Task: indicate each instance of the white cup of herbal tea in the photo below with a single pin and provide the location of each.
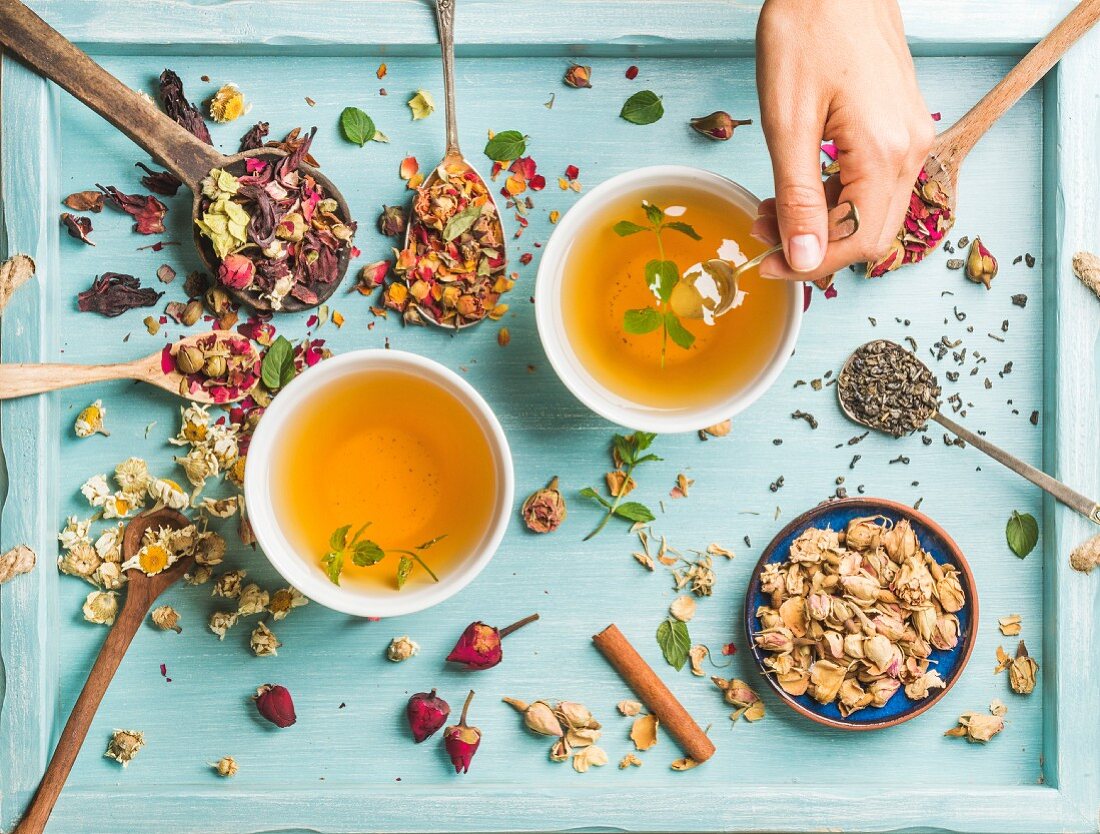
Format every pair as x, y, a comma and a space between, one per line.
605, 301
379, 483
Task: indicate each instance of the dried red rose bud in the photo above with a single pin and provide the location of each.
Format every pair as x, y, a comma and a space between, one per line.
426, 713
718, 125
461, 740
544, 509
392, 221
578, 76
236, 271
479, 646
981, 266
275, 704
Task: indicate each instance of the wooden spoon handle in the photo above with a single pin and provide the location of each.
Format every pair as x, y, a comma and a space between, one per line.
955, 143
36, 43
20, 380
80, 719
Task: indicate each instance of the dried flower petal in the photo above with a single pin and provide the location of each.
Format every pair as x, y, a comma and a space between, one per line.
643, 732
401, 648
124, 745
112, 294
166, 617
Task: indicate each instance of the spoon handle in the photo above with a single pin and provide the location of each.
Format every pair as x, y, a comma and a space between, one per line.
39, 45
445, 19
22, 379
1072, 499
84, 710
955, 143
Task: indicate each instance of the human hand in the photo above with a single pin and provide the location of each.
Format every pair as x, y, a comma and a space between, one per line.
843, 72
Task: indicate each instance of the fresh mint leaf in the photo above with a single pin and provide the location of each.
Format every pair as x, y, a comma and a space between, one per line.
339, 538
333, 564
624, 449
404, 568
277, 368
633, 511
675, 642
654, 213
366, 553
677, 332
686, 229
661, 277
461, 222
628, 227
588, 492
1022, 533
356, 126
643, 108
645, 320
642, 440
506, 146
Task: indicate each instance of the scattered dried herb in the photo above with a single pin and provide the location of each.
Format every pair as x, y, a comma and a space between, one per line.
578, 76
887, 387
179, 109
159, 182
223, 366
642, 108
1022, 533
461, 740
1086, 555
112, 294
1022, 669
977, 727
274, 703
627, 452
981, 266
719, 125
15, 562
364, 552
148, 212
254, 138
277, 368
544, 510
479, 646
421, 104
85, 201
228, 104
1086, 266
78, 227
426, 713
742, 698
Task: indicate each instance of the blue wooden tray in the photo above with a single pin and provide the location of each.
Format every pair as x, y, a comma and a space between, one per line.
347, 766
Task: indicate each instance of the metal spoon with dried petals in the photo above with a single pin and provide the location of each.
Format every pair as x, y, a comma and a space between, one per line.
887, 394
692, 299
142, 591
23, 379
453, 163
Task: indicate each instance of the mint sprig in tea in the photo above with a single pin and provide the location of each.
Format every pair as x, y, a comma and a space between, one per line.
639, 298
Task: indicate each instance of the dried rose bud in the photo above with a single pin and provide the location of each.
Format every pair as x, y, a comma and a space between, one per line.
479, 646
226, 766
718, 125
275, 704
1022, 671
538, 716
461, 740
981, 266
578, 76
426, 712
544, 509
392, 221
190, 359
236, 271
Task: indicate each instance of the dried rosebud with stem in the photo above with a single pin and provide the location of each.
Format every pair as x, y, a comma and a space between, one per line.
275, 704
479, 647
578, 76
544, 510
392, 221
426, 712
981, 266
719, 125
461, 740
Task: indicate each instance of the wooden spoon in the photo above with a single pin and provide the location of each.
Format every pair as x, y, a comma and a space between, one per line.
1070, 497
37, 44
22, 379
445, 19
141, 592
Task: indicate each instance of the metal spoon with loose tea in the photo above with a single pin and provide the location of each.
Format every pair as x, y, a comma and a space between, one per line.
142, 591
247, 237
887, 388
454, 257
217, 367
707, 298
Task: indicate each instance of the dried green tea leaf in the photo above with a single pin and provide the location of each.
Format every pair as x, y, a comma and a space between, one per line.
675, 642
1022, 533
506, 146
356, 126
422, 105
641, 321
643, 108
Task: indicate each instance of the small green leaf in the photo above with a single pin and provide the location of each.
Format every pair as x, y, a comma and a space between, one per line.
278, 368
588, 492
643, 440
356, 126
366, 553
685, 229
661, 277
404, 568
654, 213
1022, 533
628, 227
333, 564
645, 320
633, 511
506, 146
624, 448
461, 222
677, 332
339, 538
675, 642
643, 108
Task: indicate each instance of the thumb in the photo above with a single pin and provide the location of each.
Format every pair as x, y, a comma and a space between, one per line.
800, 205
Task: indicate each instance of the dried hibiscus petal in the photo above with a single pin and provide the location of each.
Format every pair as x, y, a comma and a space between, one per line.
148, 212
85, 201
78, 227
159, 182
254, 139
182, 111
113, 294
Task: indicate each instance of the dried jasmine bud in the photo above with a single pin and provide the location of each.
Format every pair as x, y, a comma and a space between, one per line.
166, 617
401, 648
426, 713
578, 76
275, 704
101, 607
539, 717
479, 647
283, 600
226, 766
124, 745
263, 641
544, 510
90, 421
981, 266
719, 125
221, 622
461, 740
392, 221
19, 560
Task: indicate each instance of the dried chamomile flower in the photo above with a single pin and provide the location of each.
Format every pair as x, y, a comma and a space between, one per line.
109, 576
200, 575
252, 600
226, 766
122, 504
401, 648
221, 622
697, 654
228, 584
153, 558
220, 507
977, 727
263, 641
1086, 555
167, 493
209, 548
643, 732
198, 464
132, 475
1011, 625
194, 424
1022, 669
629, 708
699, 577
96, 490
19, 560
109, 544
590, 756
166, 617
227, 104
629, 760
682, 608
75, 532
739, 695
101, 607
90, 420
283, 600
80, 560
124, 745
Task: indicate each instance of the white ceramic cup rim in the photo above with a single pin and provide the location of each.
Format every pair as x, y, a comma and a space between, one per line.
306, 576
551, 327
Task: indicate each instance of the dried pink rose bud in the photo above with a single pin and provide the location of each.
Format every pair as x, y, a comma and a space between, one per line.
544, 509
426, 713
981, 266
461, 740
275, 704
372, 275
236, 271
479, 646
578, 76
719, 125
392, 221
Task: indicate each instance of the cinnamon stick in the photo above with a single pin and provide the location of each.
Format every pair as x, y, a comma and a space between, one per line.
657, 697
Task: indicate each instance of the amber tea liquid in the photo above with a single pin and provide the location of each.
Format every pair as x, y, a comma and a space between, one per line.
393, 449
604, 277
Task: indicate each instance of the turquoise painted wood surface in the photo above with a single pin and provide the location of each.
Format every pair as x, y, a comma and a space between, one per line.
1029, 187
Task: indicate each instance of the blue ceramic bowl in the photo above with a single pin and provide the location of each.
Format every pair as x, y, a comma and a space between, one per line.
933, 539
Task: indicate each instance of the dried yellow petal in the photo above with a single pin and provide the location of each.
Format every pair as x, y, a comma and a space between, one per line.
629, 708
644, 732
682, 608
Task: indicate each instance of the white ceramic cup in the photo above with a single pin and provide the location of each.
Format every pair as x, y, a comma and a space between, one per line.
555, 338
303, 570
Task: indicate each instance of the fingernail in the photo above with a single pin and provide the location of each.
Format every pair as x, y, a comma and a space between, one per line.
804, 253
